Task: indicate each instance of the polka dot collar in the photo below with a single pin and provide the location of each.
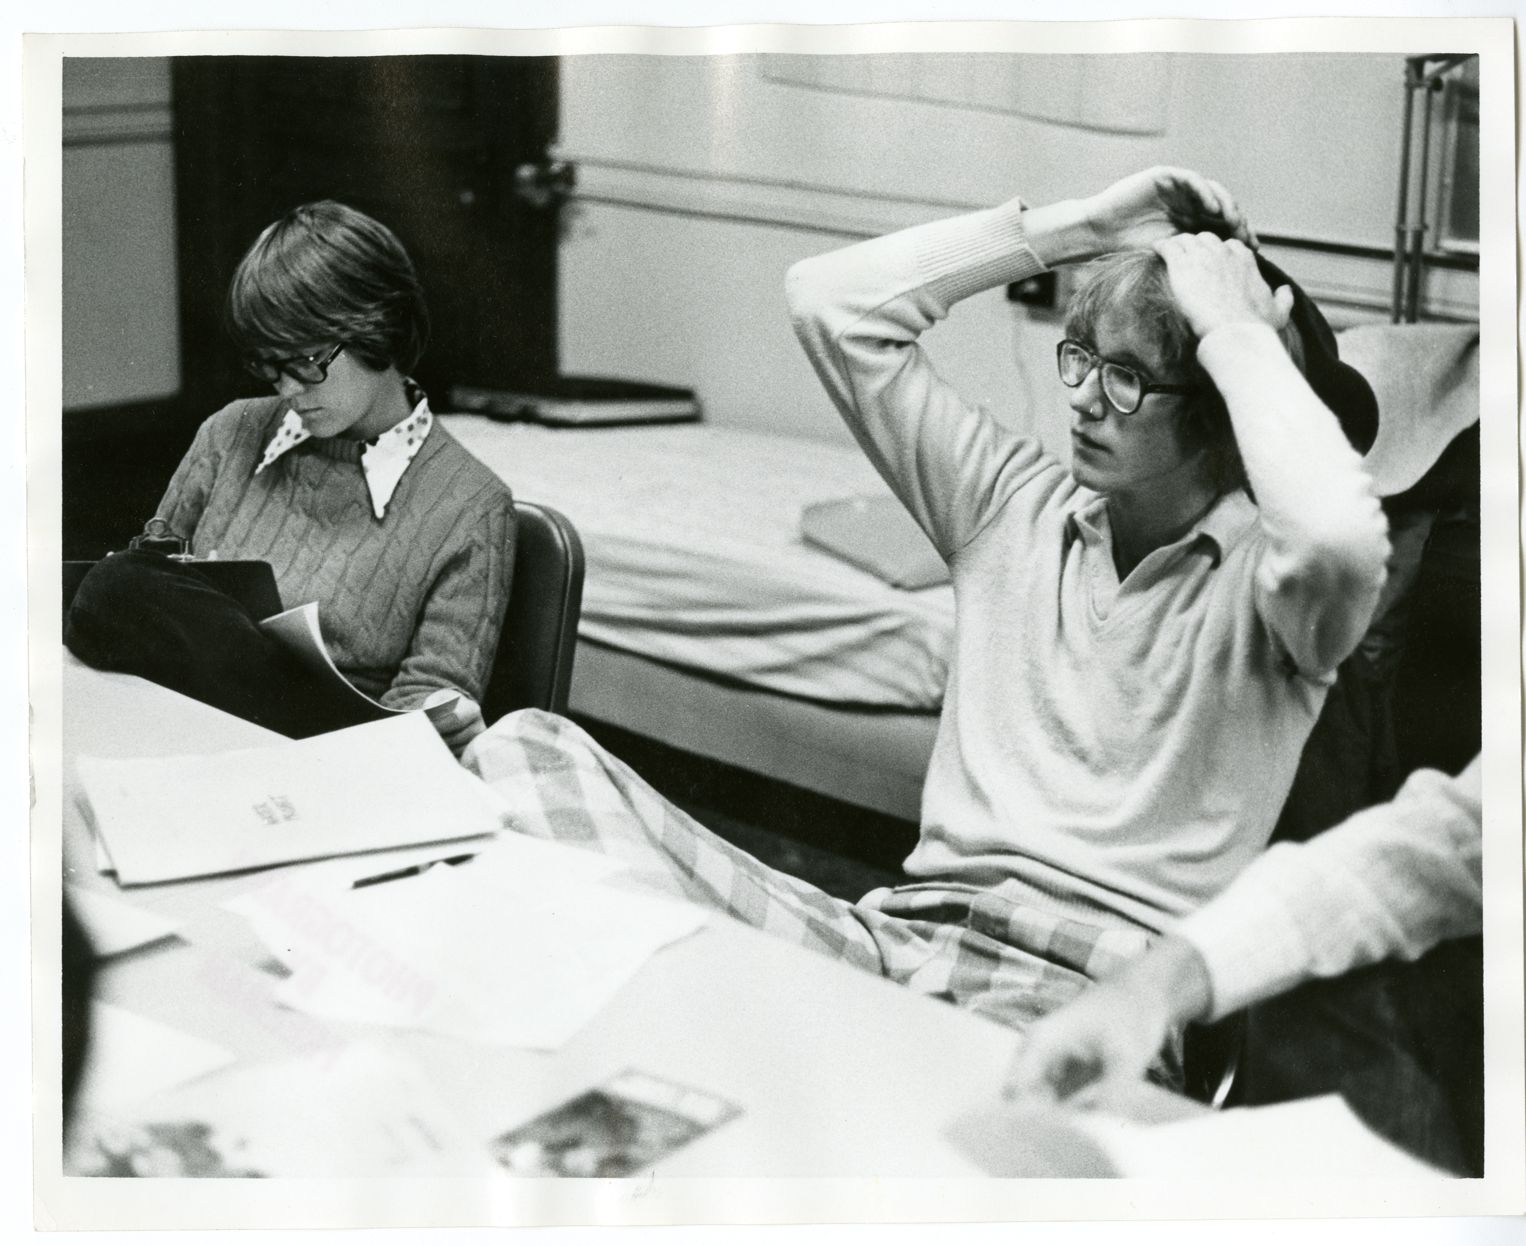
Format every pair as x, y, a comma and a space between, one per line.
383, 460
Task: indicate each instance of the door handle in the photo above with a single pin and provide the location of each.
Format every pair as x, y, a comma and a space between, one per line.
545, 184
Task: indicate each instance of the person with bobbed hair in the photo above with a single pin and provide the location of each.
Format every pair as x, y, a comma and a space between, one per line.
343, 481
1141, 648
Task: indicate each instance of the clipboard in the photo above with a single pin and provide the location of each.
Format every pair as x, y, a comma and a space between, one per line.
250, 582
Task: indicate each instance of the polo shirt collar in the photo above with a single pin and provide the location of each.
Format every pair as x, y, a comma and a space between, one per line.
383, 459
1222, 525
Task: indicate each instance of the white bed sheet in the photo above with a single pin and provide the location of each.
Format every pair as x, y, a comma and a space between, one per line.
694, 554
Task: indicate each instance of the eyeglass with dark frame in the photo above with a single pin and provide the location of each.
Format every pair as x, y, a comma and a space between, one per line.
1123, 387
304, 369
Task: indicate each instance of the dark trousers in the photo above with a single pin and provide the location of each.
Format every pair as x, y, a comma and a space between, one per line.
1401, 1043
142, 613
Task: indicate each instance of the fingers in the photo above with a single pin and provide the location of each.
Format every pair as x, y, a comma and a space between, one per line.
468, 730
1195, 201
1189, 198
1216, 282
1235, 220
1053, 1064
1025, 1076
1282, 297
1206, 246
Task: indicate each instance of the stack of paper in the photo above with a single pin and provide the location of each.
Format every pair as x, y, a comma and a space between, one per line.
520, 946
382, 785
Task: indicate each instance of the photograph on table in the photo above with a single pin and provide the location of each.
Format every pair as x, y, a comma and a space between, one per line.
618, 1130
884, 606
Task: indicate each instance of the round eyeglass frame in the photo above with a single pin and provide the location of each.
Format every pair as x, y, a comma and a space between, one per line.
1119, 381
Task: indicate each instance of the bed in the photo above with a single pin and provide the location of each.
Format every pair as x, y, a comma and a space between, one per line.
711, 625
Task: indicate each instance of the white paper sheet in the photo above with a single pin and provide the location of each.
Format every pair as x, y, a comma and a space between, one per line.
520, 947
114, 925
380, 785
299, 630
131, 1058
1318, 1139
356, 1111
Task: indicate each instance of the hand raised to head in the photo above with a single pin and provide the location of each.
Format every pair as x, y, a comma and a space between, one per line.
1138, 211
1217, 283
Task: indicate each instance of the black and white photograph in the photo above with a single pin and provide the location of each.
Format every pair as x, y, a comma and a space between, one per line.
881, 608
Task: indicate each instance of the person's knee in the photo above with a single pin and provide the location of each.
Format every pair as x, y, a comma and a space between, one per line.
534, 727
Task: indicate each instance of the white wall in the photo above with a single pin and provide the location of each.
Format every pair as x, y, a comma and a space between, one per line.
701, 179
652, 296
121, 337
1310, 141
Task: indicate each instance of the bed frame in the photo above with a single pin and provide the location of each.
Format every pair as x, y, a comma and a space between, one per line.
872, 757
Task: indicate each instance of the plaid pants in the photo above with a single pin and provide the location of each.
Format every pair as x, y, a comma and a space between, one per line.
984, 949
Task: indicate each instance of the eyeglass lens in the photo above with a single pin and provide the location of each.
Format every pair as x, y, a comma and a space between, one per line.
1120, 385
309, 370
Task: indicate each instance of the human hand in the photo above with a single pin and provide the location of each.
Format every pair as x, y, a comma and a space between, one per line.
1216, 283
1138, 211
455, 716
1108, 1035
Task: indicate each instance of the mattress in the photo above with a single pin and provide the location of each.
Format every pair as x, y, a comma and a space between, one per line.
695, 558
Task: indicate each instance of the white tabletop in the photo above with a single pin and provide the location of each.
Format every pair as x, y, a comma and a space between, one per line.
837, 1073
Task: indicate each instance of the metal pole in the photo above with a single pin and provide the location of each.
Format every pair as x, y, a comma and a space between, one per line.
1401, 230
1417, 236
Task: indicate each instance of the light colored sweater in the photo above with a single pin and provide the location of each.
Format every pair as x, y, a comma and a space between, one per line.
1390, 881
1119, 750
409, 603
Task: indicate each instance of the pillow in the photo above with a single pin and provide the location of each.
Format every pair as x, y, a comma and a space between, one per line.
877, 535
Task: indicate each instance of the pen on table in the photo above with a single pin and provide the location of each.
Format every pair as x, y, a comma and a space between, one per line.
411, 871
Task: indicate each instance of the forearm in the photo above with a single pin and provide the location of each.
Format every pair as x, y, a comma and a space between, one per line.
451, 650
461, 620
1391, 881
1172, 980
1326, 536
1063, 233
892, 289
859, 313
185, 497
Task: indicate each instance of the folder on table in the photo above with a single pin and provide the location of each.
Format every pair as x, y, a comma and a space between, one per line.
386, 784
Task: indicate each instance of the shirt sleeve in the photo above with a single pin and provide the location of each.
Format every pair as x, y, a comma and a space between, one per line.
1390, 881
461, 619
859, 312
1325, 543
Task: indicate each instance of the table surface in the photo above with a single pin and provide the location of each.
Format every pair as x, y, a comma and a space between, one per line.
837, 1073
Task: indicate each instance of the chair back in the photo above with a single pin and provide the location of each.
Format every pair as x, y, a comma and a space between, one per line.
533, 666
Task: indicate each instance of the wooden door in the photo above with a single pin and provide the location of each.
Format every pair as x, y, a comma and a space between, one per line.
427, 144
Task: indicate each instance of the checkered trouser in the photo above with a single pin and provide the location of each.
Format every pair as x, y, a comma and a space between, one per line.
985, 949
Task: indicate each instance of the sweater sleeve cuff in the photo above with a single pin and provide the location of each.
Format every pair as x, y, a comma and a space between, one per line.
1247, 941
977, 252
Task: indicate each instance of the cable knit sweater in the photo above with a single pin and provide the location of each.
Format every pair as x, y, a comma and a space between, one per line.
409, 603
